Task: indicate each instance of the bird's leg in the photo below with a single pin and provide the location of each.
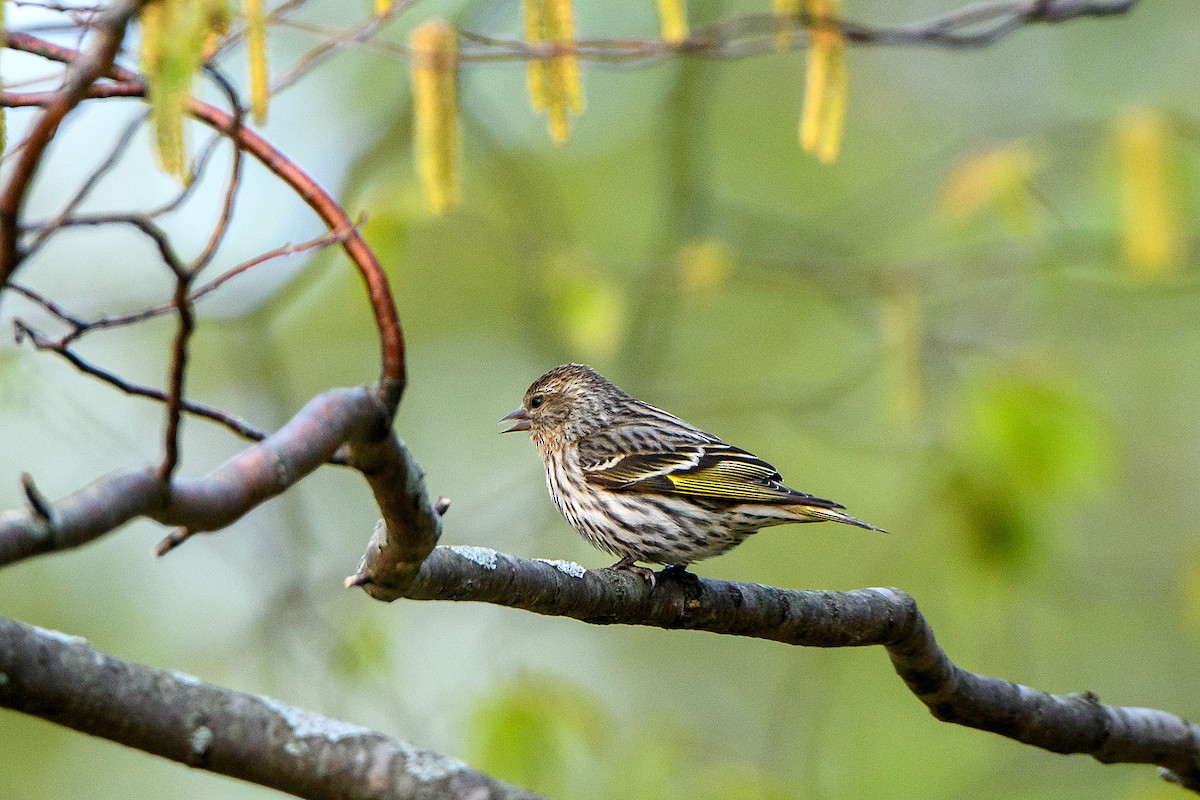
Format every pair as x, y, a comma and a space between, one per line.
627, 564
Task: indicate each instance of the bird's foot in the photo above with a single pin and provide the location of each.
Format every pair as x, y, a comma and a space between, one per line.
628, 564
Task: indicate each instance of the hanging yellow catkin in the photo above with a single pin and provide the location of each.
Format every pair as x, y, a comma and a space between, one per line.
837, 87
672, 18
434, 47
174, 36
166, 106
1150, 215
256, 41
383, 7
560, 26
555, 84
787, 12
826, 85
535, 32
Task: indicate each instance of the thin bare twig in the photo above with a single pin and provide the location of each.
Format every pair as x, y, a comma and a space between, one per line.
177, 374
82, 73
61, 348
235, 176
55, 308
119, 148
750, 35
182, 300
332, 44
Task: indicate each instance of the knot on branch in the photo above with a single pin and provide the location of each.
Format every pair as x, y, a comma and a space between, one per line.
398, 548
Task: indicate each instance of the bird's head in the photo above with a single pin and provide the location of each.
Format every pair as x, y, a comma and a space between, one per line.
566, 403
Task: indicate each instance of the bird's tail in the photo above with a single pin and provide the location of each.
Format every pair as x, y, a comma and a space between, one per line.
807, 513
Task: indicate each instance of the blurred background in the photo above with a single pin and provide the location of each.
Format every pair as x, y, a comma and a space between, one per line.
977, 329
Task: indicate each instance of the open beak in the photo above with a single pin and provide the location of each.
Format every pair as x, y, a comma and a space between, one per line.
520, 419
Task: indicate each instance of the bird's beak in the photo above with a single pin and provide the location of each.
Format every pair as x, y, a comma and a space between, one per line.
520, 419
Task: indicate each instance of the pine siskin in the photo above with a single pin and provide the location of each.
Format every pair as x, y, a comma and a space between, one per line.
645, 485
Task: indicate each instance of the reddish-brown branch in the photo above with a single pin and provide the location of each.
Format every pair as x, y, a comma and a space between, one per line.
378, 290
178, 374
83, 72
224, 219
129, 84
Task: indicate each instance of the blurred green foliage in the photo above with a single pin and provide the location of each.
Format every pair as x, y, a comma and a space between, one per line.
1018, 447
554, 738
542, 734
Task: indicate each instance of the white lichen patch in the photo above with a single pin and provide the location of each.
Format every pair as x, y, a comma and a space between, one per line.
185, 679
200, 739
59, 636
426, 766
565, 567
483, 556
306, 723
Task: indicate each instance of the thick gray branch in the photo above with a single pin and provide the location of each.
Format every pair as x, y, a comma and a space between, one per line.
358, 418
63, 679
1077, 723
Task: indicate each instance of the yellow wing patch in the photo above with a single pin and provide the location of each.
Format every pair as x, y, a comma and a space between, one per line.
730, 479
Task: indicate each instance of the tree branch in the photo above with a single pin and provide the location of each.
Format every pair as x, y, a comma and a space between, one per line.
62, 347
130, 84
1077, 723
748, 35
358, 417
82, 73
63, 679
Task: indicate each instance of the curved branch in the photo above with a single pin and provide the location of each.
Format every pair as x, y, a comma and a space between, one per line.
63, 679
330, 211
356, 417
83, 72
1077, 723
130, 84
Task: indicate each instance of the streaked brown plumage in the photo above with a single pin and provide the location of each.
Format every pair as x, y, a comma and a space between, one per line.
646, 486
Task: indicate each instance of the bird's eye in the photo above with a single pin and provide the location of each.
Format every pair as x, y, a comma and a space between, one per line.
536, 401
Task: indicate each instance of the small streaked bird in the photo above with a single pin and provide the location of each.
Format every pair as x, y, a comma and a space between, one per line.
646, 486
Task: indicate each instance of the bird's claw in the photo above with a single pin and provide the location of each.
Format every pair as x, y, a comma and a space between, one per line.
628, 565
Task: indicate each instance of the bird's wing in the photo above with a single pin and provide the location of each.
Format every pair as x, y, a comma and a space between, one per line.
709, 469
